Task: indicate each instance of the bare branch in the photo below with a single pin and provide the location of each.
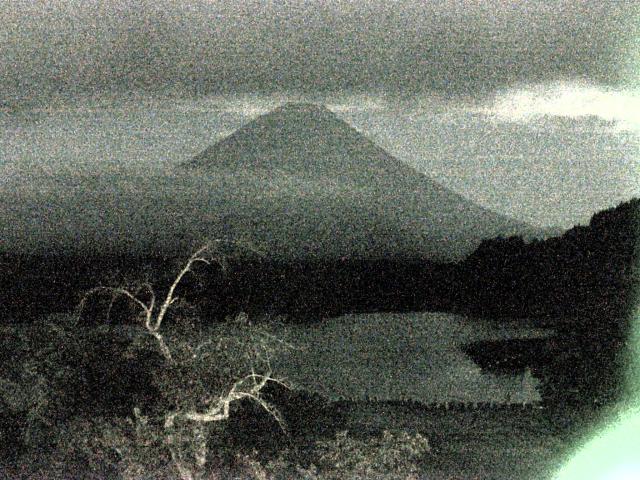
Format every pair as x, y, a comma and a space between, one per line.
221, 261
270, 409
166, 353
116, 291
220, 411
196, 257
280, 341
114, 296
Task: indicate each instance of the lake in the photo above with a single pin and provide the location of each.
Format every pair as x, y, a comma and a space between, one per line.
412, 356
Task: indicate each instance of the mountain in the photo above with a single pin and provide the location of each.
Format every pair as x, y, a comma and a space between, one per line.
326, 190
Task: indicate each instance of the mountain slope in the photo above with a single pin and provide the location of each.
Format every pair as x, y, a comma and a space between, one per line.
340, 194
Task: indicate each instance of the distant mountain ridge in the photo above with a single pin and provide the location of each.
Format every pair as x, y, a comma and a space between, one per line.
355, 198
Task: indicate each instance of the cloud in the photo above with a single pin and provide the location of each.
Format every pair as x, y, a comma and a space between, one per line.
573, 100
357, 103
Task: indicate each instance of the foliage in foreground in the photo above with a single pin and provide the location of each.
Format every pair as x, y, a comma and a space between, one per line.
201, 375
188, 378
131, 449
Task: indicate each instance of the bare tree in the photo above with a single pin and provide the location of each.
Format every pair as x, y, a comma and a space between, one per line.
153, 315
194, 416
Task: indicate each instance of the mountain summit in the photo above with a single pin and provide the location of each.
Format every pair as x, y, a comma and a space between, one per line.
336, 193
298, 138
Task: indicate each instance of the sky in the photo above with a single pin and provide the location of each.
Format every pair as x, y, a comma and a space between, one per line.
528, 108
457, 47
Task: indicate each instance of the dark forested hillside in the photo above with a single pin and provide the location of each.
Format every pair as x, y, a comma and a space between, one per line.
584, 284
588, 268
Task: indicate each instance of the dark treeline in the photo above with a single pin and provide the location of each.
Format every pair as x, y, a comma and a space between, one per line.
301, 291
312, 290
32, 285
583, 284
588, 268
